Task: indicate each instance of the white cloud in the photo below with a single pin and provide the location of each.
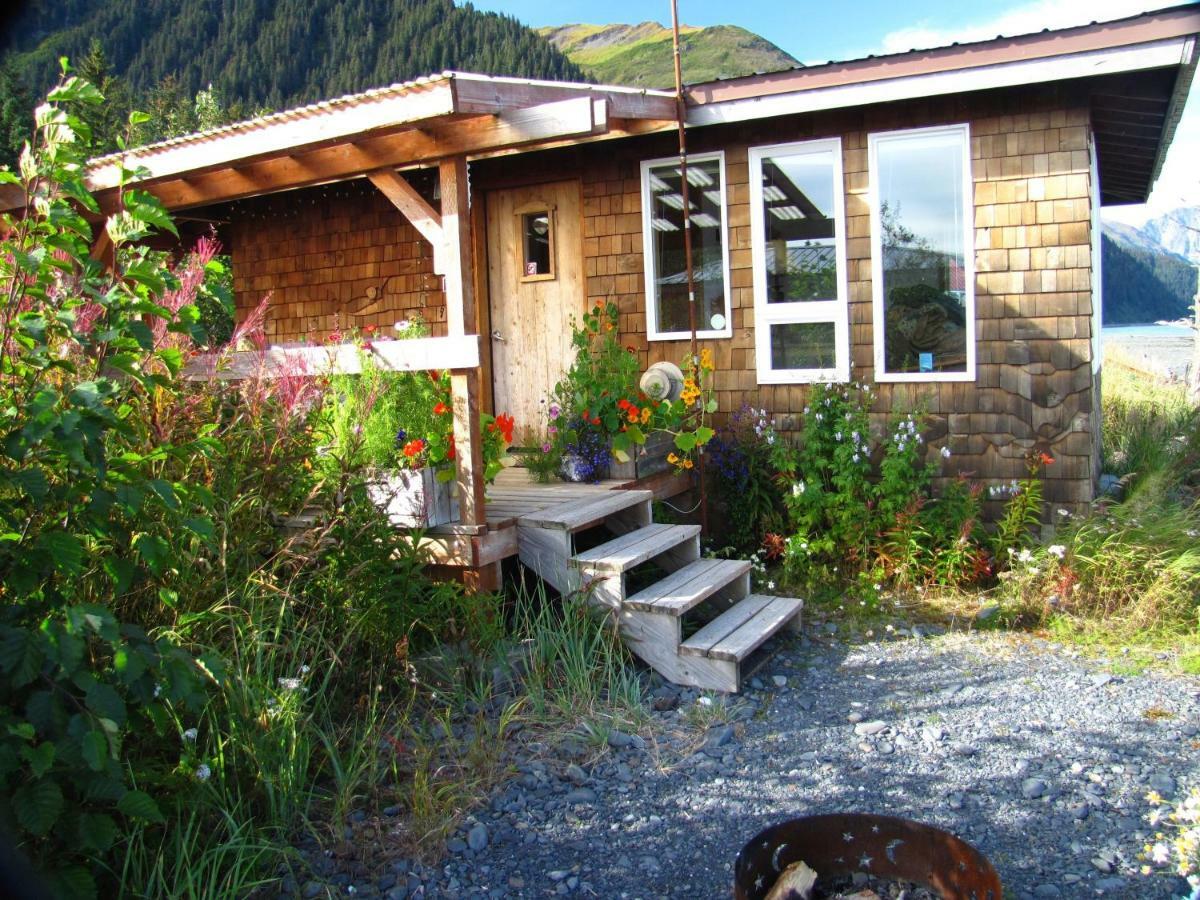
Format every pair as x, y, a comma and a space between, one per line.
1179, 183
1024, 19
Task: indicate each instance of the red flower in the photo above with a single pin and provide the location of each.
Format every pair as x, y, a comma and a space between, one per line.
370, 329
505, 423
1045, 459
623, 404
596, 420
450, 448
440, 409
414, 448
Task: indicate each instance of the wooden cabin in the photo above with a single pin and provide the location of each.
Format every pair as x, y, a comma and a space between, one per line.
924, 222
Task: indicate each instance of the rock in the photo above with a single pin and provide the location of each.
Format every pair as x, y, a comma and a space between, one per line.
756, 684
1047, 890
1080, 811
964, 749
393, 810
576, 775
581, 795
312, 889
1032, 788
885, 748
1162, 782
456, 845
870, 728
987, 612
1110, 884
1102, 864
1110, 485
718, 737
854, 718
780, 680
477, 837
619, 740
932, 734
665, 703
557, 875
1102, 679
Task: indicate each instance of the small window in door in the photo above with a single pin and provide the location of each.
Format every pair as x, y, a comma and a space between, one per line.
537, 245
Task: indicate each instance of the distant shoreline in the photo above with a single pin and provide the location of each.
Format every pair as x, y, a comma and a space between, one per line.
1162, 350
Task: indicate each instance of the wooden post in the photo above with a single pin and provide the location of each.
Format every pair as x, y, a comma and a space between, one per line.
460, 319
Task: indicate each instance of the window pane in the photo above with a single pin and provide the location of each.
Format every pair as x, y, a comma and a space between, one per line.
799, 227
536, 230
803, 345
708, 261
921, 215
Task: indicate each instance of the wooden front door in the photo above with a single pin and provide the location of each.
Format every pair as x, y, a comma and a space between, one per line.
535, 287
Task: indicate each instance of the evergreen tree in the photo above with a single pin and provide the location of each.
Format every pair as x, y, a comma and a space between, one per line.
107, 120
16, 114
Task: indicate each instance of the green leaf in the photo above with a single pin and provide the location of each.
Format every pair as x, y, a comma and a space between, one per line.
140, 805
65, 550
154, 552
105, 702
704, 435
38, 806
40, 758
75, 882
685, 441
710, 407
97, 831
95, 750
172, 358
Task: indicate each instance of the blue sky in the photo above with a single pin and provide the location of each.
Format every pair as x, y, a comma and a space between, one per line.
819, 31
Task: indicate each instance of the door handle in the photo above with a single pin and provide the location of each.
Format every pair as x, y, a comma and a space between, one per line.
497, 337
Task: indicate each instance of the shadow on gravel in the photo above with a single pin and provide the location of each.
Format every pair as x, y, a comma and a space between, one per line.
981, 745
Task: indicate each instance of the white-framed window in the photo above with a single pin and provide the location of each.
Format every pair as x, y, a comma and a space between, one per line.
798, 248
923, 254
662, 237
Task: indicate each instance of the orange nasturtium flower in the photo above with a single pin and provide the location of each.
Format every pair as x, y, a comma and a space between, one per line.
687, 463
645, 414
672, 459
706, 359
440, 409
1045, 459
414, 448
505, 423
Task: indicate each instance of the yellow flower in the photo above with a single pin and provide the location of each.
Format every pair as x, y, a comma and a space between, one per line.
645, 414
672, 458
687, 463
706, 359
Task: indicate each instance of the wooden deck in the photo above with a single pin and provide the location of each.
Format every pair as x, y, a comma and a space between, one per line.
515, 494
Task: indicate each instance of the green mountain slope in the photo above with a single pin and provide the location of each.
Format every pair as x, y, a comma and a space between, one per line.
1143, 283
275, 53
641, 55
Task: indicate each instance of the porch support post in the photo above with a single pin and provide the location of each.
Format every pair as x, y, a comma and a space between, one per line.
460, 319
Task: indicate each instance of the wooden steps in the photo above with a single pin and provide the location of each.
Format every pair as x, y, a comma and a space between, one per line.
652, 618
740, 630
694, 583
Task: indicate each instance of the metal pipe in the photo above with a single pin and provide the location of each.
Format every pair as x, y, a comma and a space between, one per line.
681, 120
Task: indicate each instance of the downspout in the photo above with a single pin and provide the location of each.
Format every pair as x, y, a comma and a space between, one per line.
681, 121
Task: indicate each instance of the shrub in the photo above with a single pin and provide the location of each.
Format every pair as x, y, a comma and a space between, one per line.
746, 484
86, 701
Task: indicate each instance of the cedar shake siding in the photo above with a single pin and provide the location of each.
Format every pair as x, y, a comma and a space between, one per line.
348, 258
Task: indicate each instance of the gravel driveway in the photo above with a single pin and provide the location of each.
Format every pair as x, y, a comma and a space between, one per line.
1037, 756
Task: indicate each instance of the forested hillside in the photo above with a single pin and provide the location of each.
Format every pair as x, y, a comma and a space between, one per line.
1141, 285
265, 53
642, 55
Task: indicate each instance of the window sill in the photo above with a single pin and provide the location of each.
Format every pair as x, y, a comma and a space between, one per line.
687, 335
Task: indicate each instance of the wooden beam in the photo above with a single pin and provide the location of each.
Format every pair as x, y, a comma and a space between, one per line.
460, 315
412, 205
563, 119
410, 355
473, 94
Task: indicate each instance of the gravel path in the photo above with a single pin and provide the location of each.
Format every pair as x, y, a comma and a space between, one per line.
1037, 756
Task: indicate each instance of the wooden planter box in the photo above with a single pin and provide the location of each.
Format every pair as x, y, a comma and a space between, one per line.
414, 498
649, 459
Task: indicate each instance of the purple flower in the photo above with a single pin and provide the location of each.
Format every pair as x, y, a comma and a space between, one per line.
546, 447
401, 437
555, 411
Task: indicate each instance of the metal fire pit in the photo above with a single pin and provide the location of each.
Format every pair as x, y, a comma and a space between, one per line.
882, 846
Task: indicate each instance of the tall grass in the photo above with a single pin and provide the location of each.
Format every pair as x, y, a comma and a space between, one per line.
1147, 423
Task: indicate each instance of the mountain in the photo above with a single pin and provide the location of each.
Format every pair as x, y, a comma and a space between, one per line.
641, 55
274, 53
1149, 272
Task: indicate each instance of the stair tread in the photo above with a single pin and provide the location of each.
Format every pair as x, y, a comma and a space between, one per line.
575, 515
685, 588
738, 631
634, 548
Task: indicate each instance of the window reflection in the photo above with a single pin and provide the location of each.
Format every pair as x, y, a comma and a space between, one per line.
921, 240
668, 265
535, 228
799, 226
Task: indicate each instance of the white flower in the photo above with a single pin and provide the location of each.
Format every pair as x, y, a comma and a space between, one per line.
158, 690
1160, 853
203, 772
889, 628
190, 735
1057, 550
854, 458
770, 585
879, 587
797, 488
1025, 556
1065, 513
290, 684
1192, 532
837, 435
770, 439
820, 417
704, 701
304, 670
945, 453
806, 410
